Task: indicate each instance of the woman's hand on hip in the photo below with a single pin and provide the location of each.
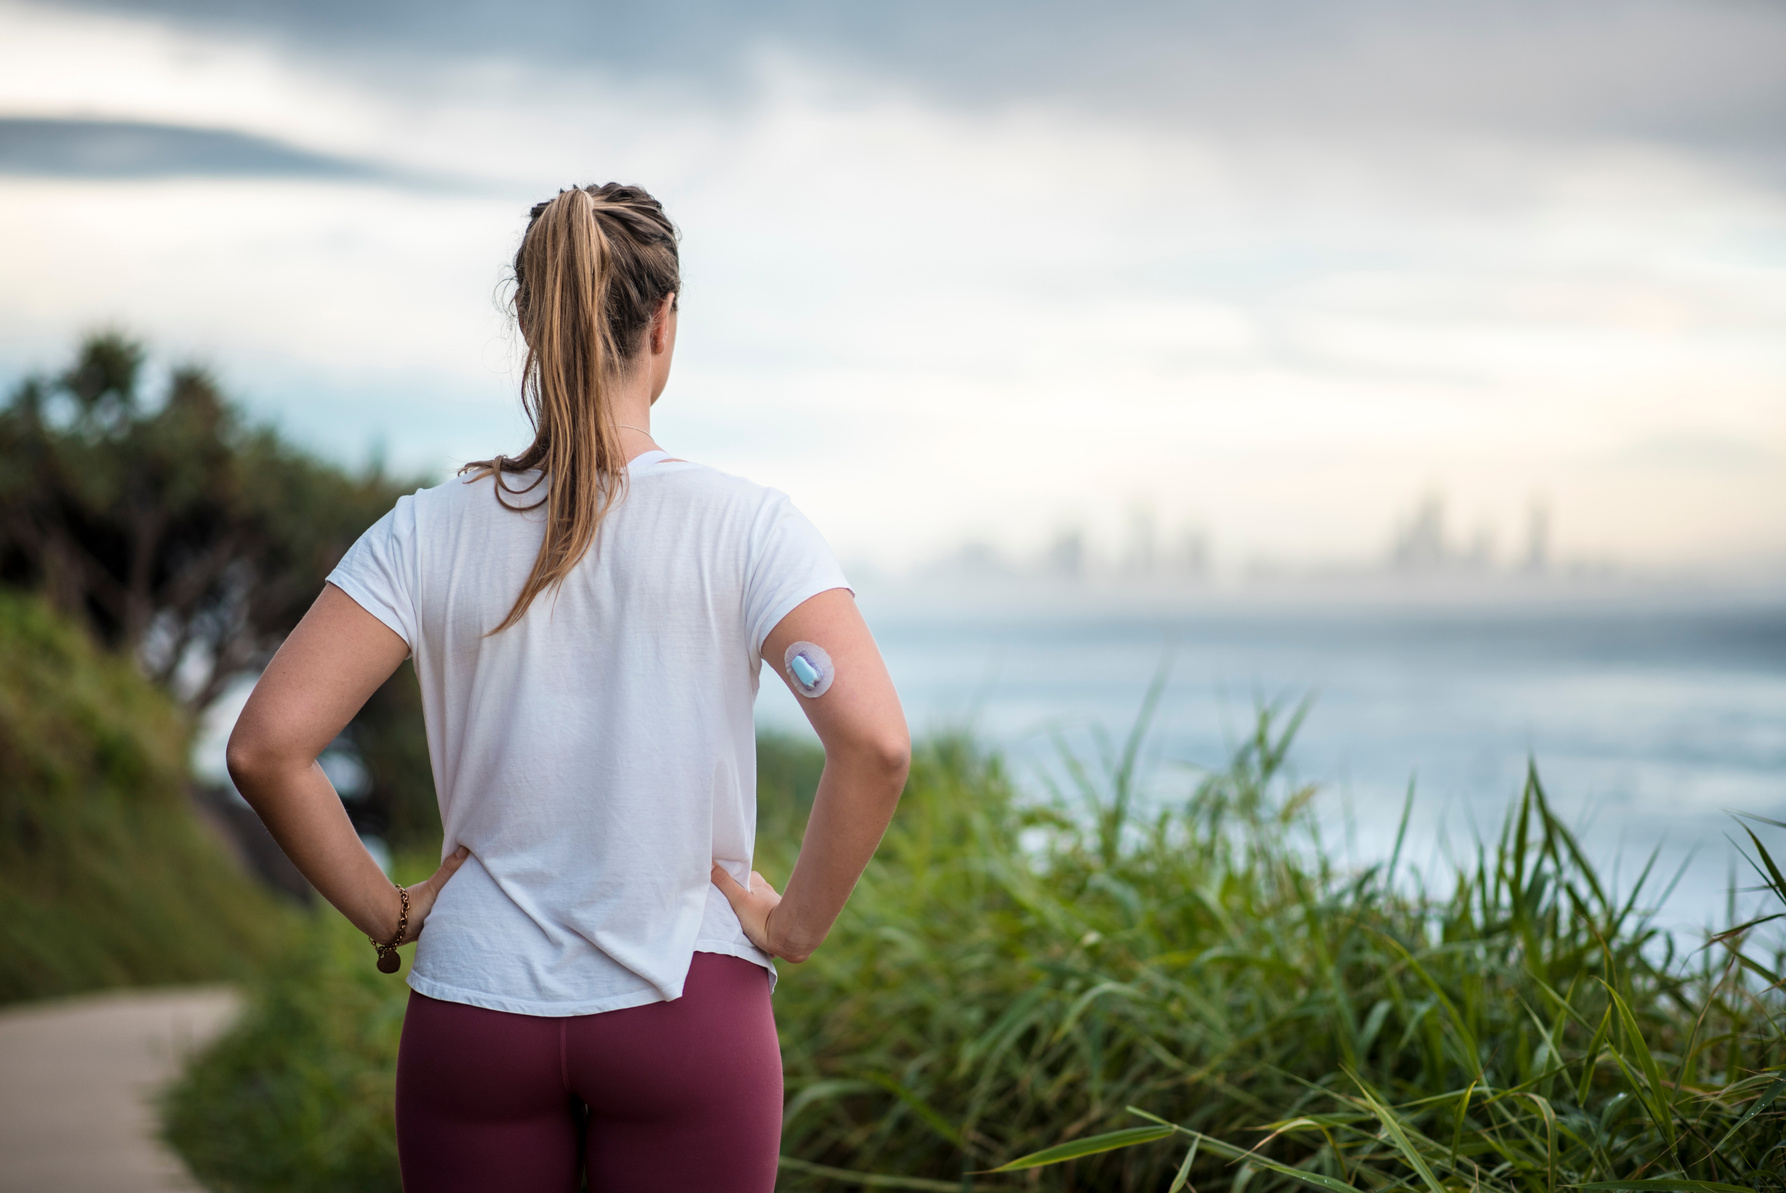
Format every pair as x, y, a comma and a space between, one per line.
755, 907
423, 894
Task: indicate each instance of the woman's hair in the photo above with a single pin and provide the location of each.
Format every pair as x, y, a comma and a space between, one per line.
592, 272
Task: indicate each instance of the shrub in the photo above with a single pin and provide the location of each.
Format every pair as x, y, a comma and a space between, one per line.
297, 1097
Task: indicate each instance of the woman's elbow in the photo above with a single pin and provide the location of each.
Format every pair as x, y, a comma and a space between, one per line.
891, 758
251, 757
876, 759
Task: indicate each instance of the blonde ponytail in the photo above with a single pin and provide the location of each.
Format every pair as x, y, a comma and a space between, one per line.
592, 272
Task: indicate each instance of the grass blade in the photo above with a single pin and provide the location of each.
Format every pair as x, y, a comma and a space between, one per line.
1397, 1135
1773, 876
1761, 1103
875, 1179
1107, 1142
1658, 1103
1230, 1152
1184, 1170
918, 1106
1663, 1185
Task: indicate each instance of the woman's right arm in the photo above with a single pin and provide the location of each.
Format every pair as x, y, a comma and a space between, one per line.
867, 755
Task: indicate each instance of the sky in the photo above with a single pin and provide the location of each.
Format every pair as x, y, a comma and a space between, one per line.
1269, 274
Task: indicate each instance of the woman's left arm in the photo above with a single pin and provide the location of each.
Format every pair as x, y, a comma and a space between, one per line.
323, 673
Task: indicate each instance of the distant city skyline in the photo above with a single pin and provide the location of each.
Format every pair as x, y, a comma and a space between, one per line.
1004, 276
1420, 543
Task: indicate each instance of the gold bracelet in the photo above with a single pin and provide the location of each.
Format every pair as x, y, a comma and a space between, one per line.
388, 961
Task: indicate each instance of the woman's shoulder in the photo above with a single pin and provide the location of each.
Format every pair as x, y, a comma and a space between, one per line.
473, 493
705, 482
460, 500
477, 487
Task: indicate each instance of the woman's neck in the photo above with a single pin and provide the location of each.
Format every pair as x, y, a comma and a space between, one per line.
629, 404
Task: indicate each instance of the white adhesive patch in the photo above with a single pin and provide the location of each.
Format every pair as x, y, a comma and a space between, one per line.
809, 669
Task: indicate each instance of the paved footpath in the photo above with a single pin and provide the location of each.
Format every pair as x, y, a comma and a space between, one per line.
77, 1078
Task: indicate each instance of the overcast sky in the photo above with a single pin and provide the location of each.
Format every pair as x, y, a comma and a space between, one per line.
977, 271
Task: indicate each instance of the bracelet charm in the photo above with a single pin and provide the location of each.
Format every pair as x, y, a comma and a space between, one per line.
388, 961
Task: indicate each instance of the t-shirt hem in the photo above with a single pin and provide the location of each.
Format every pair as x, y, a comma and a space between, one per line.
727, 948
565, 1010
538, 1009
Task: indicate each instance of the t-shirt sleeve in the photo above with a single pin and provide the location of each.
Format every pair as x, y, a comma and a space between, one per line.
379, 571
789, 562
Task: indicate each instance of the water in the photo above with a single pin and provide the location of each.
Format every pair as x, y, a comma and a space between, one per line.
1649, 724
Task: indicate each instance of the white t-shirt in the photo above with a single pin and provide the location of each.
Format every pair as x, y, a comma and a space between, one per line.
600, 755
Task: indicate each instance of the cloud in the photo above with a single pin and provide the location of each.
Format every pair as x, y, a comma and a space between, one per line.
125, 149
929, 313
1699, 450
1699, 74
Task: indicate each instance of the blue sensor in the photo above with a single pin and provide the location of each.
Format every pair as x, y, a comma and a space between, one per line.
809, 669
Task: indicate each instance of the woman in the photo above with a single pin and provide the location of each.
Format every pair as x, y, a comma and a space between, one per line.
587, 622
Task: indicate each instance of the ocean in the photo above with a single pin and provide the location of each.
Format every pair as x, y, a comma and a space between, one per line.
1651, 722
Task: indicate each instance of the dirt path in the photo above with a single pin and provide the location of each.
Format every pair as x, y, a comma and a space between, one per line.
76, 1079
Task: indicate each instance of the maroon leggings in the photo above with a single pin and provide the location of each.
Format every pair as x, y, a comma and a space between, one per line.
670, 1097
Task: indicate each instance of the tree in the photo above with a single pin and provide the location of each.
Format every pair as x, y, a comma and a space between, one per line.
175, 533
183, 536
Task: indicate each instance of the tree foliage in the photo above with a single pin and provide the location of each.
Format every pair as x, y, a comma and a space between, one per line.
184, 536
174, 531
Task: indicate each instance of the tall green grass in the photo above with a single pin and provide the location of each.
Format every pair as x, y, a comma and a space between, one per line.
1097, 996
1012, 978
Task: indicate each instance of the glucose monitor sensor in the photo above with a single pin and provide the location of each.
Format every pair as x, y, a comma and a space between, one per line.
809, 667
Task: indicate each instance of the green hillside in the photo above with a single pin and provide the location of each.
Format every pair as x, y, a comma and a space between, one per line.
106, 876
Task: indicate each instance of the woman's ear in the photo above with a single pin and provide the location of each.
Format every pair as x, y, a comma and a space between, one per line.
663, 332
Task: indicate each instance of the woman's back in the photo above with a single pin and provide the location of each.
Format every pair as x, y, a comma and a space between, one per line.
598, 755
